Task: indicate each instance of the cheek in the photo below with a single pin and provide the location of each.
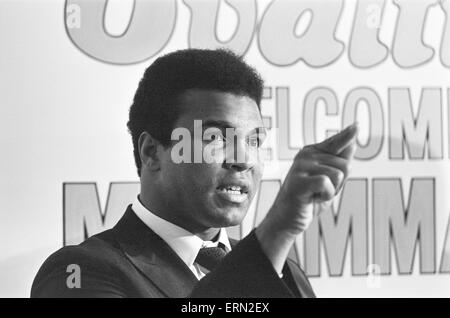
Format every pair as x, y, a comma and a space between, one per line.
256, 178
258, 171
213, 154
198, 178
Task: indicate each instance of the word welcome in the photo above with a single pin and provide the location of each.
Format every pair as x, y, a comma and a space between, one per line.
407, 134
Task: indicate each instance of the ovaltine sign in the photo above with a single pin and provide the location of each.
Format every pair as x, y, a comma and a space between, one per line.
386, 212
153, 23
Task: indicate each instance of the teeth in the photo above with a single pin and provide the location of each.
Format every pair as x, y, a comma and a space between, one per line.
232, 190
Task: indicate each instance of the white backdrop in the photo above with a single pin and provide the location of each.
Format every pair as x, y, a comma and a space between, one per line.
66, 87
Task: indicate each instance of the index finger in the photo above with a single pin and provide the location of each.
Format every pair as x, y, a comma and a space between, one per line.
348, 152
337, 143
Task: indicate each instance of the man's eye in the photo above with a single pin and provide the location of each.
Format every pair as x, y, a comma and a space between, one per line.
216, 137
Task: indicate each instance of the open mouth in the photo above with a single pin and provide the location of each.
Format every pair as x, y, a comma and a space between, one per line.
234, 189
234, 193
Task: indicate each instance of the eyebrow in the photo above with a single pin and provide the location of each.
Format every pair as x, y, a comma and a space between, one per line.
217, 123
223, 124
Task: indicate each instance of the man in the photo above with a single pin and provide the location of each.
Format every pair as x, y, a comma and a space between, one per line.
171, 241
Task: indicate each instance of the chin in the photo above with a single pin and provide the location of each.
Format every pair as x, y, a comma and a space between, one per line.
229, 217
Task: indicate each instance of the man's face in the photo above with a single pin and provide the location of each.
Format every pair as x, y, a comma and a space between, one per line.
218, 194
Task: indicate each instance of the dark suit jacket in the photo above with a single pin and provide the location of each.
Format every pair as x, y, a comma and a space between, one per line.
130, 260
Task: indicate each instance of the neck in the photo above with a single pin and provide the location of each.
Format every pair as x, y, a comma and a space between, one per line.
205, 233
211, 234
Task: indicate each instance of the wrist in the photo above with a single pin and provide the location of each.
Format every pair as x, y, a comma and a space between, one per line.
273, 232
289, 220
275, 245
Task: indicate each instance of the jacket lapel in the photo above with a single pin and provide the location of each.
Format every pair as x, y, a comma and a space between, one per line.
153, 257
233, 242
294, 271
301, 280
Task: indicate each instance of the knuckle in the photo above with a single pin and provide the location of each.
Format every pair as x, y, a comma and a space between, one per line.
301, 164
328, 196
322, 180
346, 169
305, 151
340, 176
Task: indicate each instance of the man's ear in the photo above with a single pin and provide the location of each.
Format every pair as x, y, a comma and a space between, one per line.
148, 151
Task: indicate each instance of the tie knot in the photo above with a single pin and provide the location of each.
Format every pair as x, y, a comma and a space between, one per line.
210, 257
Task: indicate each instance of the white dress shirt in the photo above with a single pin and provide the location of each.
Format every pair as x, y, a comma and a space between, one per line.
185, 244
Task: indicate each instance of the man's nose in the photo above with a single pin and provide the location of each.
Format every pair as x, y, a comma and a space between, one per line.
238, 166
239, 157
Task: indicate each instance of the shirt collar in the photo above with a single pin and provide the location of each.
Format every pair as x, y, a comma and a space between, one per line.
185, 244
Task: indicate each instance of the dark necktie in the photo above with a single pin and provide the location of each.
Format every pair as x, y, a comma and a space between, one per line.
210, 257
